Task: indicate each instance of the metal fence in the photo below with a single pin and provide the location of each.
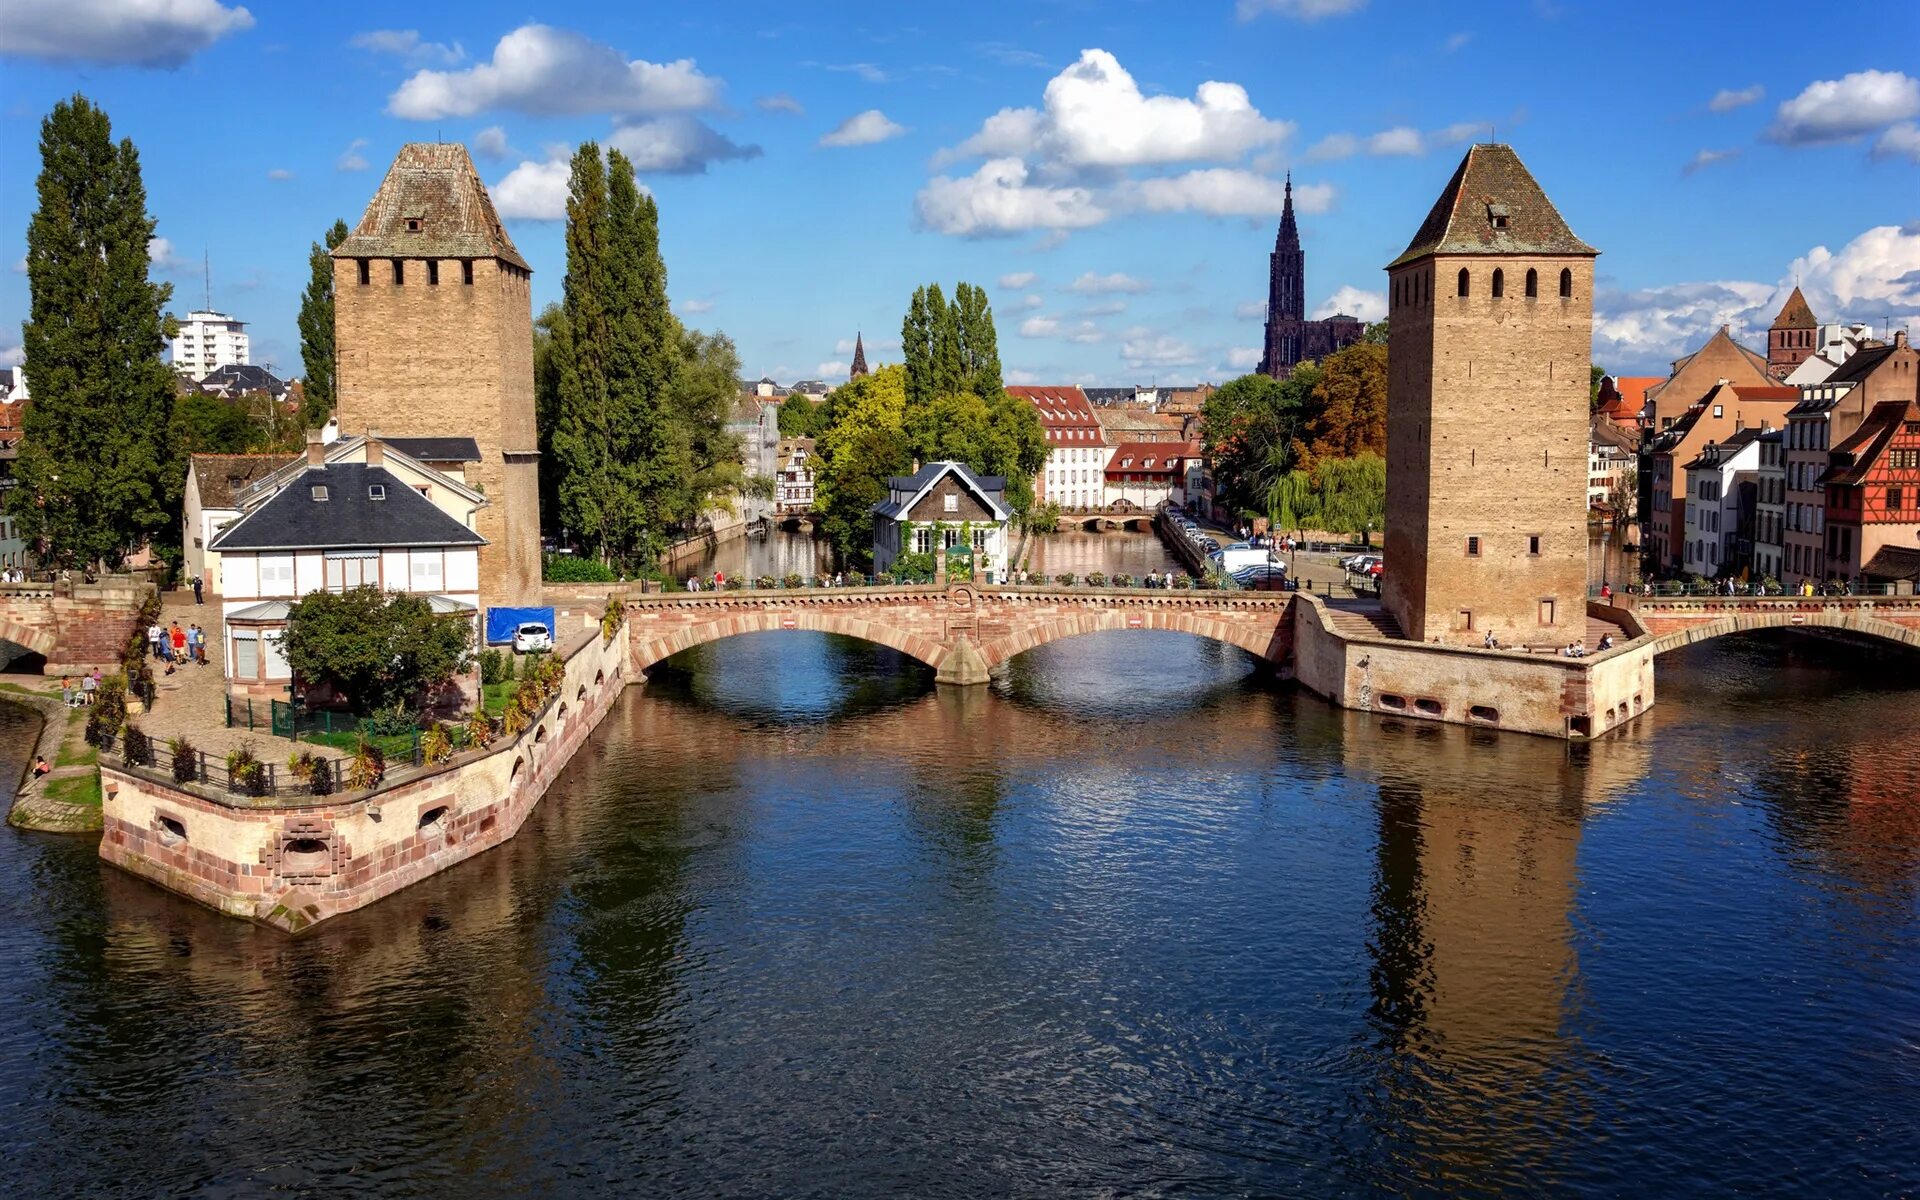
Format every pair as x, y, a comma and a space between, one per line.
264, 779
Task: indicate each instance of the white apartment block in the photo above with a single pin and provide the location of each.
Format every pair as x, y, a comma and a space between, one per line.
208, 341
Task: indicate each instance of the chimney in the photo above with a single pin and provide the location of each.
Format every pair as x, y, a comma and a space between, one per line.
376, 449
1899, 339
316, 450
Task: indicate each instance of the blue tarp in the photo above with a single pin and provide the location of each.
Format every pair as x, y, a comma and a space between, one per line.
501, 622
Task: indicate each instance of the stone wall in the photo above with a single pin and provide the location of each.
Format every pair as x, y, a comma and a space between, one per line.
290, 864
74, 626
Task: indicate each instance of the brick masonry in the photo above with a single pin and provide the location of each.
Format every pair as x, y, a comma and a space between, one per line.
74, 627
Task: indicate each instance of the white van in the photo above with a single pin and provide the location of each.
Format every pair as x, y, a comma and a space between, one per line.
1233, 558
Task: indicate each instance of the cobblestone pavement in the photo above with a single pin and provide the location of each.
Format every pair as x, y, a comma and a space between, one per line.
192, 701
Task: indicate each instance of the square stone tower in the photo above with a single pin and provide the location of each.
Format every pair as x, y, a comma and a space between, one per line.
433, 333
1491, 313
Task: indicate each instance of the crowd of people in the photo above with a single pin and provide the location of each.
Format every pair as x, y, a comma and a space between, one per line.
176, 646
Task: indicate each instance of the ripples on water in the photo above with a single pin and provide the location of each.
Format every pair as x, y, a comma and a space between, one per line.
1131, 921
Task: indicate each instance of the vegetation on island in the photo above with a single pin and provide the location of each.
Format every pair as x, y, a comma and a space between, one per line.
379, 651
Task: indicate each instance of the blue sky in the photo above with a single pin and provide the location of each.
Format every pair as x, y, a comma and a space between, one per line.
1108, 170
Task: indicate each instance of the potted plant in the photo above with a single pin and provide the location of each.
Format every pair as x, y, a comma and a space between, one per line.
186, 761
435, 746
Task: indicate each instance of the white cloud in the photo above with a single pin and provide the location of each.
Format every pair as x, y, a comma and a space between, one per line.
1334, 145
779, 102
534, 191
20, 268
1243, 359
1083, 333
1106, 308
160, 254
279, 174
866, 71
12, 356
1401, 139
997, 199
1143, 349
1020, 378
1250, 310
832, 369
1028, 301
863, 129
1457, 41
491, 142
677, 145
1899, 141
1226, 192
1040, 327
406, 43
1728, 99
351, 159
1833, 110
695, 307
1299, 10
1093, 114
1091, 284
1875, 277
139, 33
1354, 302
1707, 158
546, 71
1016, 280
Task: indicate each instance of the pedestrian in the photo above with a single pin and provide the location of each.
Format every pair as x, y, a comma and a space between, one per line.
40, 766
1606, 594
197, 599
87, 686
66, 690
153, 639
179, 640
197, 643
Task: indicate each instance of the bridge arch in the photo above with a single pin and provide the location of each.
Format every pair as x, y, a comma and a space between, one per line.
649, 651
1269, 639
1853, 620
31, 638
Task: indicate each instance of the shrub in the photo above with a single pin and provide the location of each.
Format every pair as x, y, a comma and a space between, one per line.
515, 720
435, 746
1097, 579
1122, 579
1064, 579
1183, 581
793, 580
571, 568
301, 765
765, 581
883, 579
320, 783
368, 768
733, 584
509, 665
109, 711
246, 772
391, 722
479, 729
186, 761
610, 618
490, 668
137, 747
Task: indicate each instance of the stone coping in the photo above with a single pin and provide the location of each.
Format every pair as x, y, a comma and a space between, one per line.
854, 594
1506, 653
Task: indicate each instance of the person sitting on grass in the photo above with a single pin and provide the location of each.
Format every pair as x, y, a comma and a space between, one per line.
40, 766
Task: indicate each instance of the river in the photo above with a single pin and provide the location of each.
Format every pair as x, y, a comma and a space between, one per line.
1134, 920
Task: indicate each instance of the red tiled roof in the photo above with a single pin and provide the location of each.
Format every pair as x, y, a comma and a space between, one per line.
1773, 392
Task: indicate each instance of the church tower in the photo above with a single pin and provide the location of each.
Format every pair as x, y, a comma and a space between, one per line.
1286, 296
1791, 340
1491, 308
859, 358
433, 333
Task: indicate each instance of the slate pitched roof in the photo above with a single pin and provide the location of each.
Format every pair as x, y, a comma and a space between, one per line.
1860, 364
436, 449
904, 491
235, 379
433, 183
349, 517
1893, 562
1795, 314
1491, 182
223, 476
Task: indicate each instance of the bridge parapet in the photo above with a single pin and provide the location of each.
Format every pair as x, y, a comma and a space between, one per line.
1682, 620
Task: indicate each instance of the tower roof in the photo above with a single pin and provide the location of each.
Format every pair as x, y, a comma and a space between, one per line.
1288, 236
1795, 313
859, 358
431, 205
1493, 205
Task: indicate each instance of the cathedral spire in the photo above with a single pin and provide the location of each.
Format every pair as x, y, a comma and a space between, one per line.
859, 358
1289, 236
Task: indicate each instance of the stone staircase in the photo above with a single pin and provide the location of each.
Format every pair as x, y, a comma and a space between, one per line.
1361, 618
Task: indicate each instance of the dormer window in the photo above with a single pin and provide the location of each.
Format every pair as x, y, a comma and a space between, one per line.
376, 491
319, 493
413, 224
1497, 215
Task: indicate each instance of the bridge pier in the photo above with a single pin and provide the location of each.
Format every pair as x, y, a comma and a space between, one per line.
964, 665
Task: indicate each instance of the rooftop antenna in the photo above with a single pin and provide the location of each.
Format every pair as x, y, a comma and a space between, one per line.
206, 271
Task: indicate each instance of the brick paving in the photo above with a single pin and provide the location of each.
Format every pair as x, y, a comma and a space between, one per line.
191, 702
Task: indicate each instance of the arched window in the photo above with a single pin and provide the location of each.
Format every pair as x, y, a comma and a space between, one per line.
1463, 281
1533, 282
1566, 283
1499, 283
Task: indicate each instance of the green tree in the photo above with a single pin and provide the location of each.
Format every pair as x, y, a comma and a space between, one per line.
708, 471
377, 649
1353, 494
546, 407
800, 417
98, 475
1348, 414
1375, 333
863, 445
582, 347
204, 424
1251, 425
316, 331
1594, 376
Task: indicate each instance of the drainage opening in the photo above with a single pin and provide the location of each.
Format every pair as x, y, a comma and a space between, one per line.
1484, 713
1428, 706
1390, 701
433, 819
305, 856
171, 830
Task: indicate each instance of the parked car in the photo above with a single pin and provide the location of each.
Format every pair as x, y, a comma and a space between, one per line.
1262, 578
532, 637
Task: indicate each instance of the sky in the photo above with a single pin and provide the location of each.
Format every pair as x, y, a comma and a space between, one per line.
1110, 170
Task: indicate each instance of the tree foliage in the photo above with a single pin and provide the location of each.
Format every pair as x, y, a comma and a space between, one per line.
864, 443
801, 417
1251, 426
1348, 411
379, 650
318, 395
98, 475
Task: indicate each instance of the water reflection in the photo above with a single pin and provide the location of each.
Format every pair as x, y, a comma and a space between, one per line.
1110, 551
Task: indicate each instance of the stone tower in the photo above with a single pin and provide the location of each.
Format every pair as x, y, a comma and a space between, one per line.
1286, 296
1793, 337
859, 358
1491, 308
433, 328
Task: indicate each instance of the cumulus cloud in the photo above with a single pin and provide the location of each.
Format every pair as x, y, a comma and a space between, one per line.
161, 254
863, 129
1833, 110
1875, 277
1707, 158
1227, 192
1354, 302
534, 191
1299, 10
491, 142
1899, 141
677, 145
1142, 349
1243, 359
1401, 140
1083, 333
1093, 114
1094, 284
279, 174
695, 307
1728, 99
351, 159
1015, 280
545, 71
136, 33
407, 44
779, 102
997, 199
831, 369
1028, 301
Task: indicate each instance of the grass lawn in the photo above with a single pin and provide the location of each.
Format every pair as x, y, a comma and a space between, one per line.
497, 696
74, 751
76, 789
398, 747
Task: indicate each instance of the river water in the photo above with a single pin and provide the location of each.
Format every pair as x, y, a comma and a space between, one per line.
1134, 920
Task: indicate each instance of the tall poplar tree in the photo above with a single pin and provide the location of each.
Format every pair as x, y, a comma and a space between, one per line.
582, 347
98, 474
648, 463
316, 331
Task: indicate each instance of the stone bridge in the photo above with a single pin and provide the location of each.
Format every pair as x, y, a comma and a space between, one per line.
964, 631
1679, 621
72, 626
